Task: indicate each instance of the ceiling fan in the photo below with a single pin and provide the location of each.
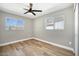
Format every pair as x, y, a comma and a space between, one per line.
30, 10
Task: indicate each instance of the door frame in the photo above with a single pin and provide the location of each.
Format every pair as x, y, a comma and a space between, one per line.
76, 28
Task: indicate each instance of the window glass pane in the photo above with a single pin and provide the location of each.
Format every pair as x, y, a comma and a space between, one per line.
49, 24
59, 25
20, 22
11, 22
49, 27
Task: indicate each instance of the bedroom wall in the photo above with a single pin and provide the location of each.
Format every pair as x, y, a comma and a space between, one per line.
78, 29
78, 35
9, 36
62, 37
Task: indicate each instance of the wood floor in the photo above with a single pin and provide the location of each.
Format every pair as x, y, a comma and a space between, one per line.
33, 47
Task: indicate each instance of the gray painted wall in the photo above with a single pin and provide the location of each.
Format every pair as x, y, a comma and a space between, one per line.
9, 36
78, 35
78, 28
62, 37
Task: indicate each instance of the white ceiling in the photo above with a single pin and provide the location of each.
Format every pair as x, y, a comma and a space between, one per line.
17, 8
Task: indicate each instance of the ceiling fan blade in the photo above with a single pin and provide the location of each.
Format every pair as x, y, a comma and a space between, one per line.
33, 13
37, 10
25, 12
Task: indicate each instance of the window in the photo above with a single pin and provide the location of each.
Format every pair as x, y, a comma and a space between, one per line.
59, 25
55, 23
14, 24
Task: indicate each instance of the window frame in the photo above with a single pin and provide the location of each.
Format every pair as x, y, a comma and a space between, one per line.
15, 26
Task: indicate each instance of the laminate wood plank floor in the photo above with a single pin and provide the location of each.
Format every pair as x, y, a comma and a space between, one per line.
33, 47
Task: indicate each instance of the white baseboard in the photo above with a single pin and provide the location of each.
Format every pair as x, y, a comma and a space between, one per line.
61, 46
15, 41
